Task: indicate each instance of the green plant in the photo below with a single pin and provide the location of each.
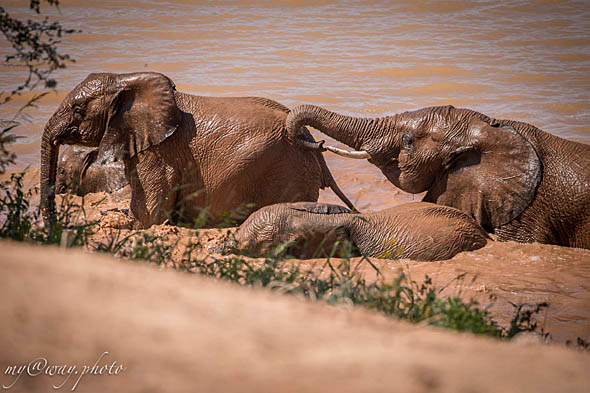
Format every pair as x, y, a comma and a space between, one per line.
581, 344
35, 47
114, 242
21, 222
523, 320
6, 157
17, 219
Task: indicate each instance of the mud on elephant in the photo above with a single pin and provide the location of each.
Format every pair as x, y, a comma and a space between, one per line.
420, 231
182, 153
517, 181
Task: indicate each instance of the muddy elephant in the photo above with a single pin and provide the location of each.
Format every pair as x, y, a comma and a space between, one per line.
517, 181
420, 231
78, 172
185, 156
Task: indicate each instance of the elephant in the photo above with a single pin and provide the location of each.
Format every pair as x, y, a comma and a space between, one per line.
420, 231
517, 181
186, 157
78, 171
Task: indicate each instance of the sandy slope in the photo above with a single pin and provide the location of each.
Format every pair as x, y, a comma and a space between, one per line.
177, 332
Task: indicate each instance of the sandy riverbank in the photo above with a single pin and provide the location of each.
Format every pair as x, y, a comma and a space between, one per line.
173, 331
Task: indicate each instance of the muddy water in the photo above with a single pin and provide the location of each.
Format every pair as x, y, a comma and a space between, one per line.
512, 59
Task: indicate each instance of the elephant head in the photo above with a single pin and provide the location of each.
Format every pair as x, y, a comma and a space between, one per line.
73, 163
459, 156
305, 229
78, 172
124, 114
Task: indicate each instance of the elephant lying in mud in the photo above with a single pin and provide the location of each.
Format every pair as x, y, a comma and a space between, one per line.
184, 154
78, 171
517, 181
420, 231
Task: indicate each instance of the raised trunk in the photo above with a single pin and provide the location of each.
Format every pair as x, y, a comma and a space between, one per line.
352, 131
49, 154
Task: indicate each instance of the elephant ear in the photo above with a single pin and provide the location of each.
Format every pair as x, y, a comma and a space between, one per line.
143, 113
494, 177
89, 159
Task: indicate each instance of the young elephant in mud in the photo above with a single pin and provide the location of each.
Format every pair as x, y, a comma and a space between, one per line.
420, 231
79, 172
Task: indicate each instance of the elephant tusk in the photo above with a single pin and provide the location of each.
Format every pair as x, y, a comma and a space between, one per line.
359, 155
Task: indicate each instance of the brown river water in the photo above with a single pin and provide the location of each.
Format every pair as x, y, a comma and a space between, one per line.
524, 60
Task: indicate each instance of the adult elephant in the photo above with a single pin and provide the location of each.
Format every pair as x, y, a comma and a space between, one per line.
78, 171
420, 231
516, 180
185, 156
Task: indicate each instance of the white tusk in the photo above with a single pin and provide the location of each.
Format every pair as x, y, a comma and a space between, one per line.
359, 155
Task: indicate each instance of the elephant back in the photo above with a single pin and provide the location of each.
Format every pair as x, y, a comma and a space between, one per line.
419, 231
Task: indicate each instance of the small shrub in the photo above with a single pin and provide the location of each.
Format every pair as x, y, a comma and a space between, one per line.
523, 318
581, 344
20, 222
17, 220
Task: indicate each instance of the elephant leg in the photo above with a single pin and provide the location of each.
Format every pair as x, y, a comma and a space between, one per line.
191, 202
154, 189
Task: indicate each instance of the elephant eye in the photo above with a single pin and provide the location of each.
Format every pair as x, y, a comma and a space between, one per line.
78, 111
407, 140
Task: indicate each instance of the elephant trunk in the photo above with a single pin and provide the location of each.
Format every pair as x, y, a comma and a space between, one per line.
49, 155
352, 131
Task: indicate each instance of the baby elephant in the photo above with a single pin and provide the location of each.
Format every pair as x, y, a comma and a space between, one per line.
78, 172
420, 231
